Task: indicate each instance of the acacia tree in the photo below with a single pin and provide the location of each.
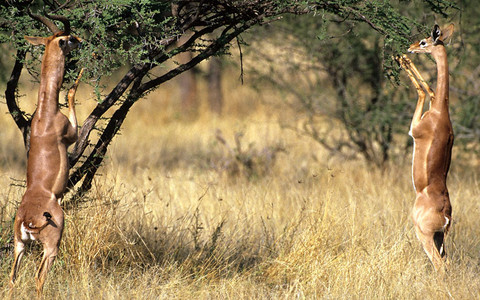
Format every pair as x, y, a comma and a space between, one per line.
143, 36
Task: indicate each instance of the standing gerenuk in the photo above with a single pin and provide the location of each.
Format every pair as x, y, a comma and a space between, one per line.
433, 140
39, 216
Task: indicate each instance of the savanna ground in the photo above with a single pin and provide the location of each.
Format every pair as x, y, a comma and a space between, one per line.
174, 214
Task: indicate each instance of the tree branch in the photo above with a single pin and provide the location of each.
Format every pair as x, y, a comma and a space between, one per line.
95, 159
11, 97
100, 109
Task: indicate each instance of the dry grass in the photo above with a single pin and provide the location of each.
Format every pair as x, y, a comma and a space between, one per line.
168, 219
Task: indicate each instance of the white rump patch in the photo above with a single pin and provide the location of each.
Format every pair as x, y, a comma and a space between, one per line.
26, 234
447, 221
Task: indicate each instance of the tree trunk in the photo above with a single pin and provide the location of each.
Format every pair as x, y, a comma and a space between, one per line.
215, 96
187, 82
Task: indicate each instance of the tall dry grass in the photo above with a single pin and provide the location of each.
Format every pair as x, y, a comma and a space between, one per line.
174, 214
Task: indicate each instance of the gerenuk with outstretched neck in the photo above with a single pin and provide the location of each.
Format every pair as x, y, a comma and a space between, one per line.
39, 216
433, 140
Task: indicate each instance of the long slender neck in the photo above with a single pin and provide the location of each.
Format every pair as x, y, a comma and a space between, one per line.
51, 78
441, 93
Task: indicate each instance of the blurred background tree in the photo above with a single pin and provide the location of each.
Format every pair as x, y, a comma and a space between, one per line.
345, 89
143, 41
341, 94
465, 84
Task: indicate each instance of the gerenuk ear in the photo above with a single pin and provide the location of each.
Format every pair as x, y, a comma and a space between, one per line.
447, 32
36, 40
436, 33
